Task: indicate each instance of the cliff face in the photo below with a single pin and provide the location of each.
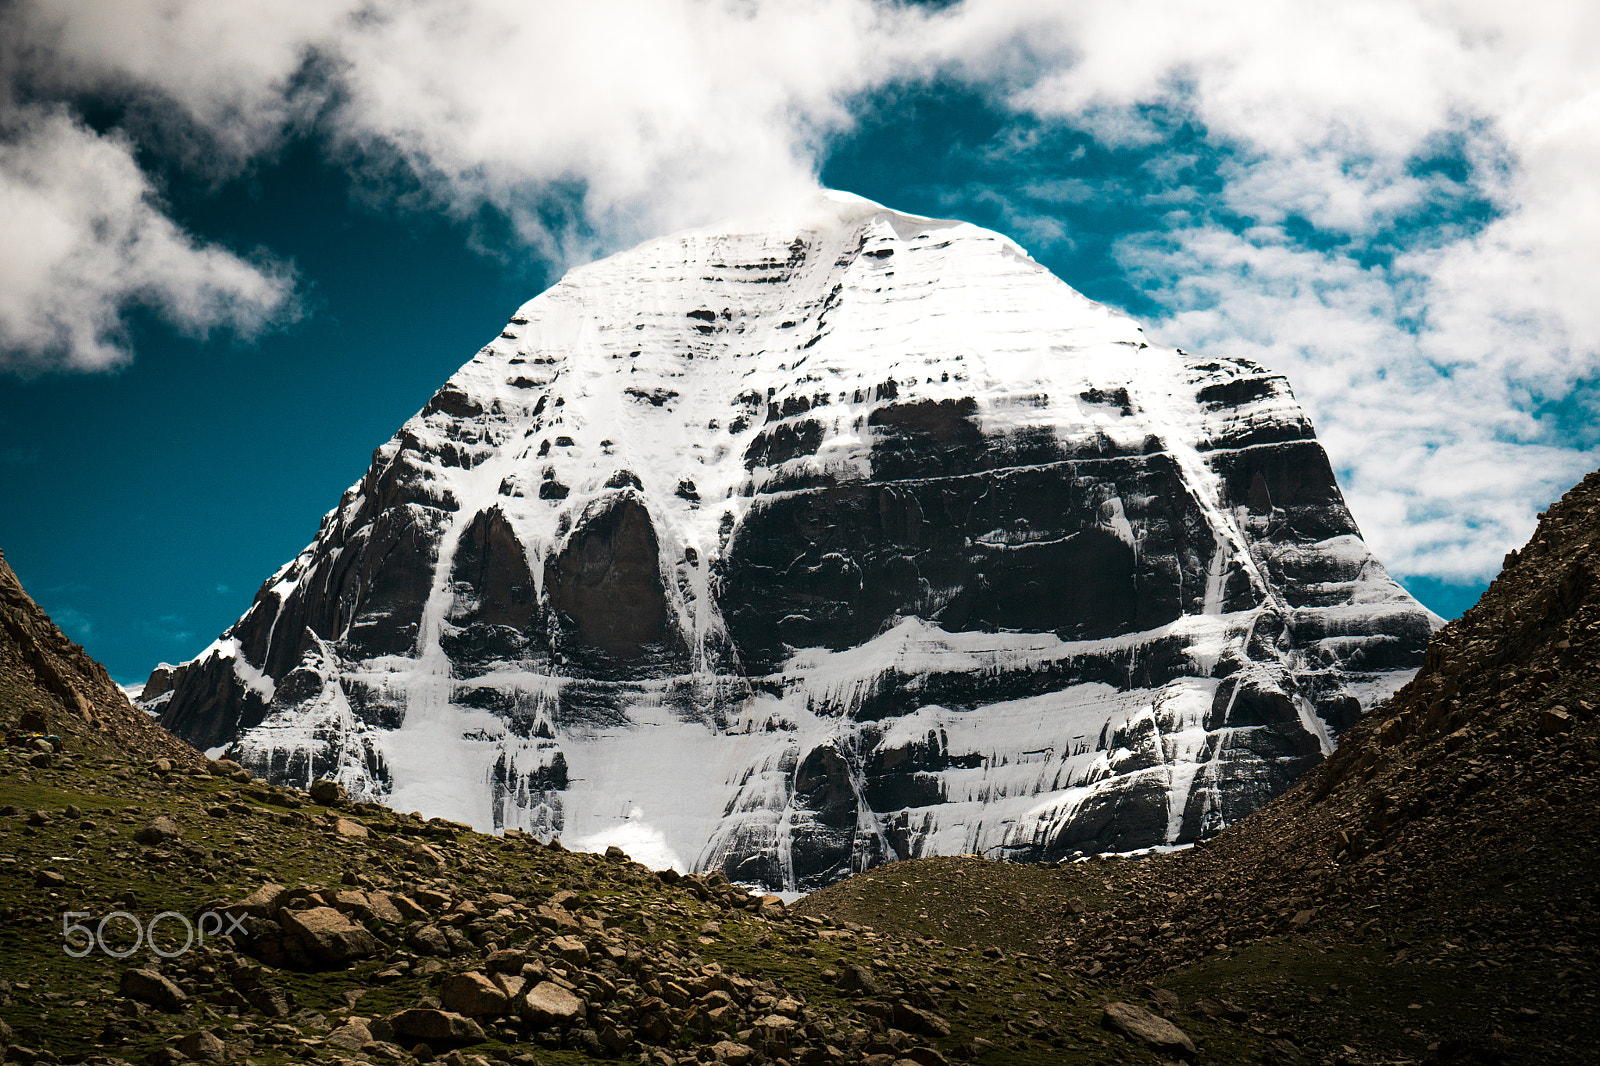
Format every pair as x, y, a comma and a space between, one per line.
797, 546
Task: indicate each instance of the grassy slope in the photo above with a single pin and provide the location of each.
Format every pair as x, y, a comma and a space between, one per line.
76, 816
1026, 1010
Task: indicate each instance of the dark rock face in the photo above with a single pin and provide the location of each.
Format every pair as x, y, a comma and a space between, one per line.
793, 552
605, 584
1023, 549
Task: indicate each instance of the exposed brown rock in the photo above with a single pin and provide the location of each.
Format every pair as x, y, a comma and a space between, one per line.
148, 986
548, 1004
1153, 1031
607, 582
329, 936
426, 1023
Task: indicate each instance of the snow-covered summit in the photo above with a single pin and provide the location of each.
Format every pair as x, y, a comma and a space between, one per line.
801, 543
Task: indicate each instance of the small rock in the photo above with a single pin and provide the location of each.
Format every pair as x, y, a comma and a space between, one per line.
162, 766
924, 1056
49, 879
273, 1002
1154, 1032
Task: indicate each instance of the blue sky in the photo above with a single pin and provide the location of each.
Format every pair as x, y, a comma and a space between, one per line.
244, 242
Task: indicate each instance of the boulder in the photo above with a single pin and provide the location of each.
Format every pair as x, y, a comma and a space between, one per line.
1554, 720
915, 1020
161, 830
547, 1004
329, 936
859, 978
473, 995
352, 1036
731, 1053
328, 793
428, 940
426, 1023
203, 1046
347, 827
570, 948
1151, 1030
262, 903
148, 986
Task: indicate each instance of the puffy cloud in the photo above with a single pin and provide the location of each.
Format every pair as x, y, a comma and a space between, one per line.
1432, 374
1443, 465
663, 113
82, 238
1423, 335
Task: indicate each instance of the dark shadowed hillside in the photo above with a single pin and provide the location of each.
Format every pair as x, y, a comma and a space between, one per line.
1430, 892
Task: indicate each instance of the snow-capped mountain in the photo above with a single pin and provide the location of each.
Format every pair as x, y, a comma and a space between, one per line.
801, 545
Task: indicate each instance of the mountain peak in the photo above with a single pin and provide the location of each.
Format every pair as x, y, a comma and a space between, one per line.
796, 545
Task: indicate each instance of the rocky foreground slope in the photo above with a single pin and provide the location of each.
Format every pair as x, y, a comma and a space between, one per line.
1427, 894
351, 933
795, 546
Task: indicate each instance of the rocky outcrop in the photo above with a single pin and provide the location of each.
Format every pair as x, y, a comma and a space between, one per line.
795, 547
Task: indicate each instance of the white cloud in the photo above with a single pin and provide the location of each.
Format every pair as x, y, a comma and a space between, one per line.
1443, 470
590, 124
1422, 375
81, 239
229, 68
